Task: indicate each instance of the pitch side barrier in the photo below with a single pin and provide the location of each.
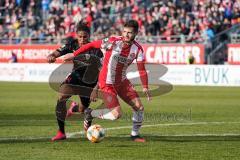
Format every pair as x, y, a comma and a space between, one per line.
154, 53
159, 75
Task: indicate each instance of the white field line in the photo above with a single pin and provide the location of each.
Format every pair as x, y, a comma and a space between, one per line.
26, 120
73, 134
188, 135
69, 135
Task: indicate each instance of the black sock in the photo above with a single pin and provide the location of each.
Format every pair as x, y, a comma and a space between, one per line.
61, 112
61, 125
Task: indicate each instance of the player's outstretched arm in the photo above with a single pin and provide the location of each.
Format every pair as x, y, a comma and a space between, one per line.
144, 78
84, 48
51, 58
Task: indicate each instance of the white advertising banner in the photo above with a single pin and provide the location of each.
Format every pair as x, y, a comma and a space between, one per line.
202, 75
29, 72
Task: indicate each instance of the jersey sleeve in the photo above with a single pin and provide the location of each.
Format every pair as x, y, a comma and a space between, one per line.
141, 68
143, 74
63, 50
140, 56
69, 47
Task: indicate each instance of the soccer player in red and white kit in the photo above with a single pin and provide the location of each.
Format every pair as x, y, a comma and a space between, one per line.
119, 53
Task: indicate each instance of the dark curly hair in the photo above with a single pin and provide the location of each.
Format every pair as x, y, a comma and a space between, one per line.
133, 24
82, 26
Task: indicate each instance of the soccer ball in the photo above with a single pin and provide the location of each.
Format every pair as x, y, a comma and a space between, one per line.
95, 133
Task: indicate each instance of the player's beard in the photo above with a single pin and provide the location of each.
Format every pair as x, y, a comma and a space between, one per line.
129, 41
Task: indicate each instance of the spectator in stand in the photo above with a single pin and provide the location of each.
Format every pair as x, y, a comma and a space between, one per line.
154, 17
45, 9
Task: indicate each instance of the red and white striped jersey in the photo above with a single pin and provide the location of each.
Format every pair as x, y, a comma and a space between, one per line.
117, 57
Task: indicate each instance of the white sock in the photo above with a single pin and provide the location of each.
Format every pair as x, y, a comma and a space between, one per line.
134, 133
103, 114
137, 122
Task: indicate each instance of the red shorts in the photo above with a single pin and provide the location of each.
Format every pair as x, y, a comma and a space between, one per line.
125, 91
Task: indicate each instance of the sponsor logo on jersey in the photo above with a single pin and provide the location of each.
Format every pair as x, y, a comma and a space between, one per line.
121, 59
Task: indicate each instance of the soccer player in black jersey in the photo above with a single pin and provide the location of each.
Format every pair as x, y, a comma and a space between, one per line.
83, 77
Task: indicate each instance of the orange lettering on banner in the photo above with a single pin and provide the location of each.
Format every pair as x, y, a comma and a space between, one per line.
27, 53
158, 53
234, 53
173, 54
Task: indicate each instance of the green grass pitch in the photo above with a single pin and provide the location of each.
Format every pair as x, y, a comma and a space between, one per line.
189, 123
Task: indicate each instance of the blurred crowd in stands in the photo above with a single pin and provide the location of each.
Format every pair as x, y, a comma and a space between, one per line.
49, 21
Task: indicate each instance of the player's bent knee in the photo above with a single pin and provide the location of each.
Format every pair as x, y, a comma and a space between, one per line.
139, 107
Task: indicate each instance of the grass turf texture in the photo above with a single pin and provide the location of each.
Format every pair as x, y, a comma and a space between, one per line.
27, 121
